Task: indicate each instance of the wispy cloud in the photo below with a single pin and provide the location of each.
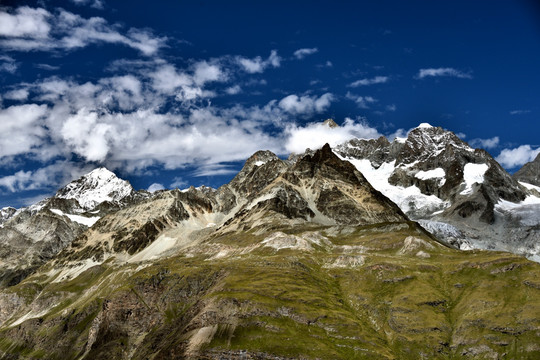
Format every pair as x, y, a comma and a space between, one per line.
47, 67
37, 29
442, 72
8, 64
519, 112
302, 53
512, 158
96, 4
370, 81
363, 102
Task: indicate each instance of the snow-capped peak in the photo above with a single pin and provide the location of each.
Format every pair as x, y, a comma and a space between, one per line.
96, 187
424, 126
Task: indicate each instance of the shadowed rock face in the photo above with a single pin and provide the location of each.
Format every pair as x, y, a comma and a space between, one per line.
292, 259
530, 172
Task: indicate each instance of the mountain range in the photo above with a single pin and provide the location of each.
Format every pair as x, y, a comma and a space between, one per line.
351, 252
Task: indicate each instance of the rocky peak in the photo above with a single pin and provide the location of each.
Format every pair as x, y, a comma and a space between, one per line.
530, 172
96, 187
330, 123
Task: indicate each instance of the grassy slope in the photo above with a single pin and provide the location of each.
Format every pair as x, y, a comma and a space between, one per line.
290, 304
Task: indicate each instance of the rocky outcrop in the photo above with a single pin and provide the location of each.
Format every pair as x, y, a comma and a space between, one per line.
530, 172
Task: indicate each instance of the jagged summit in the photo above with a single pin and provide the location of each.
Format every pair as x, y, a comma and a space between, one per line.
96, 187
330, 123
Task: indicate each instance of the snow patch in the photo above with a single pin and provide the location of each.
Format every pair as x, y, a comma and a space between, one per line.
473, 174
87, 221
410, 199
424, 126
530, 186
259, 163
430, 174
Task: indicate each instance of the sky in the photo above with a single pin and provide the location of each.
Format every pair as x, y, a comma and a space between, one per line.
176, 93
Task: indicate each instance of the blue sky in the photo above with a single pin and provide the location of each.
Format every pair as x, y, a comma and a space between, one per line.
177, 93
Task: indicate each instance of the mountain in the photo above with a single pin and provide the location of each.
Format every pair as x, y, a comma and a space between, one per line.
33, 235
459, 193
529, 173
6, 213
297, 258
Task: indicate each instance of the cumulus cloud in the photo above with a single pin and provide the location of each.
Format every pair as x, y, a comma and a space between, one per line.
511, 158
315, 135
485, 143
438, 72
302, 53
21, 129
233, 90
306, 105
257, 64
155, 187
370, 81
29, 29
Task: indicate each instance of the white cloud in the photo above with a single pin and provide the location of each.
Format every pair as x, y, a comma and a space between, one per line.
363, 102
21, 129
205, 72
233, 90
18, 94
519, 112
25, 22
485, 143
302, 53
51, 177
315, 135
511, 158
215, 169
155, 187
371, 81
257, 64
438, 72
28, 29
306, 105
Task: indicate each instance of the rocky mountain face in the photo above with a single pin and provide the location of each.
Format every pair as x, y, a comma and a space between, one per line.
298, 258
529, 173
33, 235
459, 193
